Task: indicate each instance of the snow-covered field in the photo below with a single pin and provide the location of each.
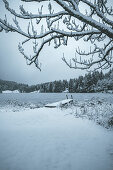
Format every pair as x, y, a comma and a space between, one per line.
48, 139
56, 138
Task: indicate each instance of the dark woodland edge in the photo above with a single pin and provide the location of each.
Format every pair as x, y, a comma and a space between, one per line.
90, 83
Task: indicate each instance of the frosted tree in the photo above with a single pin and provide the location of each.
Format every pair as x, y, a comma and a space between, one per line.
94, 26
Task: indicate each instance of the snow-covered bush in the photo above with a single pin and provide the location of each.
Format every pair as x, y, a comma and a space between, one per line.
96, 109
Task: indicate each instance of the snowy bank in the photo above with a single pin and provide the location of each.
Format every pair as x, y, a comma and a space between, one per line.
97, 110
48, 139
9, 91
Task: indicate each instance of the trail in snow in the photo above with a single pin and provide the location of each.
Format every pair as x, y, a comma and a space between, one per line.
49, 139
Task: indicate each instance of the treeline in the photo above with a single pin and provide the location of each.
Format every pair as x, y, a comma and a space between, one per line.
11, 85
78, 85
91, 82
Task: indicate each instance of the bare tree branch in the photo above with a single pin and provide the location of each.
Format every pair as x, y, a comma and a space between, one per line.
26, 15
94, 26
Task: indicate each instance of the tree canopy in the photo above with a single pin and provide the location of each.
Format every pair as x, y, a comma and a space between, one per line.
93, 25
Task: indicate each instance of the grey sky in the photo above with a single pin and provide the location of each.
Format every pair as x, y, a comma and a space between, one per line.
13, 65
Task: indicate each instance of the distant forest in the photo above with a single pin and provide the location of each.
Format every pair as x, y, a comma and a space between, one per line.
91, 82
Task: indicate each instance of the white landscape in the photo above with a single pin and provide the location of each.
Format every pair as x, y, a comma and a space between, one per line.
59, 116
55, 138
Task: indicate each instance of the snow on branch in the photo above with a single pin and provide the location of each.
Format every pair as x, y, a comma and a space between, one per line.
100, 12
105, 59
28, 15
93, 26
34, 59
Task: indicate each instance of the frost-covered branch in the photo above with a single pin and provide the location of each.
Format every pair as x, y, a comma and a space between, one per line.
34, 58
93, 26
28, 15
104, 54
100, 13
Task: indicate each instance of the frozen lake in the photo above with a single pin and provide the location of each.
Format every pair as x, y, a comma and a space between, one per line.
40, 99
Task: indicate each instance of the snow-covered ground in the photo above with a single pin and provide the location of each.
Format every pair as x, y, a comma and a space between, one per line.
53, 139
95, 109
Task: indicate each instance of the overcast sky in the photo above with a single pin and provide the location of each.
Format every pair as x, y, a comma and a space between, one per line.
13, 65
